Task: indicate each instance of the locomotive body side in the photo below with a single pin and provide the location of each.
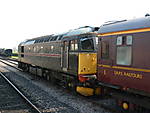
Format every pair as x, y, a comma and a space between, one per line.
42, 54
45, 56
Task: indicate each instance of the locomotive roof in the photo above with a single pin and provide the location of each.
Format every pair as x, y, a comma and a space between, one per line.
80, 32
86, 30
85, 35
42, 39
125, 25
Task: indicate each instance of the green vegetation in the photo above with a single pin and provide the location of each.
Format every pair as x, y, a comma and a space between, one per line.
15, 57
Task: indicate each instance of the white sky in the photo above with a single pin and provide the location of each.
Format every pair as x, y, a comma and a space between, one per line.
24, 19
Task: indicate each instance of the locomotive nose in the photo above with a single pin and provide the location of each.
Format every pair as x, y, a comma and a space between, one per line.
87, 63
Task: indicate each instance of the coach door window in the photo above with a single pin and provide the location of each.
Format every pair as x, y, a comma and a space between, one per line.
105, 50
124, 50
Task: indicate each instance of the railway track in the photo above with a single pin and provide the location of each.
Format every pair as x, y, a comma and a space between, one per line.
12, 100
91, 100
94, 101
10, 60
55, 105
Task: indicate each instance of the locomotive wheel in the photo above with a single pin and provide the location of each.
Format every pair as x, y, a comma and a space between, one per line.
26, 68
53, 80
71, 85
48, 77
44, 74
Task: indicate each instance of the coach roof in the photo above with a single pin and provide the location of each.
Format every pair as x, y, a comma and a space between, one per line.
125, 25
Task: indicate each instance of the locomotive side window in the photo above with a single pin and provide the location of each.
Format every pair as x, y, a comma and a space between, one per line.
29, 50
87, 44
73, 45
96, 40
124, 50
34, 49
52, 48
76, 45
60, 37
105, 50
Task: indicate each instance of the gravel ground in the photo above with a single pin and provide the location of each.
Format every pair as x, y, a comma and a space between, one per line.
50, 98
11, 101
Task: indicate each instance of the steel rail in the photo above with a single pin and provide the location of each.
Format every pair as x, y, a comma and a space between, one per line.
22, 95
4, 62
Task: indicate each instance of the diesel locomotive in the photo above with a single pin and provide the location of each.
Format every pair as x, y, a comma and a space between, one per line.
123, 61
69, 58
6, 52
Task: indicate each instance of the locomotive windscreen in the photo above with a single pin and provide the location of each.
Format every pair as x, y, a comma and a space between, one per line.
87, 44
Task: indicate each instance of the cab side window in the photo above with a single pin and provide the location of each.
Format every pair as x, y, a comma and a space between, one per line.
124, 50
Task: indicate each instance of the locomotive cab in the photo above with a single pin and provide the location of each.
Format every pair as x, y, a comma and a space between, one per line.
87, 63
79, 58
87, 59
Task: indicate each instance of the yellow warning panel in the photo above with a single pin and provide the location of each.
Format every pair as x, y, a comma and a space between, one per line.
87, 63
85, 91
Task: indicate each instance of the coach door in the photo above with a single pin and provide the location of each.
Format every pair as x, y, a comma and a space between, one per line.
106, 54
64, 52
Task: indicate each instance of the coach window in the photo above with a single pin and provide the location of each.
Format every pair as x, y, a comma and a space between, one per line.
73, 45
124, 50
105, 50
